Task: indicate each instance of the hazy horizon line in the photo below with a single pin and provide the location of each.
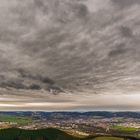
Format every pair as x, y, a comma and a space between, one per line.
80, 111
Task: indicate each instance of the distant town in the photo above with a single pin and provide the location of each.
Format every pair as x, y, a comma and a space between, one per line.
85, 123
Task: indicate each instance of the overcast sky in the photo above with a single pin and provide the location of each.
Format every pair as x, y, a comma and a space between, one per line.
69, 55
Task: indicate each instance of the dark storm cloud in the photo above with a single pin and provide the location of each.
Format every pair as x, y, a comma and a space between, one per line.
119, 50
25, 74
125, 3
57, 40
35, 87
55, 46
13, 84
126, 31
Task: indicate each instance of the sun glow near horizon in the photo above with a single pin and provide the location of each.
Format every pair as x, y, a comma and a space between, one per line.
88, 101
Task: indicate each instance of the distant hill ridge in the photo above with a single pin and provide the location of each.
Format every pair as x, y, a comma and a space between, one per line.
76, 114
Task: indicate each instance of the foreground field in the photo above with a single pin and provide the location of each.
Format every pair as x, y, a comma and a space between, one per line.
108, 138
49, 134
42, 134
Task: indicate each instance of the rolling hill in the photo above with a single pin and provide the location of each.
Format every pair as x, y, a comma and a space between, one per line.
50, 134
42, 134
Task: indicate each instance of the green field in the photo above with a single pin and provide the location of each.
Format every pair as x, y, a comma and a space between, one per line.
16, 119
123, 128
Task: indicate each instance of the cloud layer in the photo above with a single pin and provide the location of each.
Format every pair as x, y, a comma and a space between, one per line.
69, 46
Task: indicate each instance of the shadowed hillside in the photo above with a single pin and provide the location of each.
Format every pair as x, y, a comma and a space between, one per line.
51, 134
42, 134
